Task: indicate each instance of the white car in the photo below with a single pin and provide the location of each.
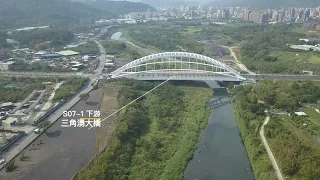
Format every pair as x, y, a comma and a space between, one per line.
2, 160
37, 131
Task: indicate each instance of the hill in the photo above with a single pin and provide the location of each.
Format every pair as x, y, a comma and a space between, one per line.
272, 4
22, 13
19, 13
119, 7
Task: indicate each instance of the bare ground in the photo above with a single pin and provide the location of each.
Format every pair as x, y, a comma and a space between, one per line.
108, 106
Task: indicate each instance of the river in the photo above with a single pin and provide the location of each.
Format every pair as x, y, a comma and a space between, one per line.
220, 154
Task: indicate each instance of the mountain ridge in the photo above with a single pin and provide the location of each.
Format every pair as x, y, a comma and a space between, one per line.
22, 13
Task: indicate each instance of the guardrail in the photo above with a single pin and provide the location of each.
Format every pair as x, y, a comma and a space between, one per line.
14, 140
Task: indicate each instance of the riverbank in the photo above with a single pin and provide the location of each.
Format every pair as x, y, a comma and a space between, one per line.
249, 132
154, 137
292, 139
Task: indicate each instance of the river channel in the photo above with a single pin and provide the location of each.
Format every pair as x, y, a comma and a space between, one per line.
220, 154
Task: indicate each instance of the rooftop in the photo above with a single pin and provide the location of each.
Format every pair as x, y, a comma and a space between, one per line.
50, 55
9, 62
68, 53
6, 104
301, 113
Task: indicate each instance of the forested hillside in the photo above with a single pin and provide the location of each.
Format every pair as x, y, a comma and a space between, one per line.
120, 7
21, 13
57, 37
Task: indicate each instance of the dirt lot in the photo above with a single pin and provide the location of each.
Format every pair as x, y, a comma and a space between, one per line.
109, 105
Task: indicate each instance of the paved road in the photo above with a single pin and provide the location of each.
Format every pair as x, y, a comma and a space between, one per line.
266, 145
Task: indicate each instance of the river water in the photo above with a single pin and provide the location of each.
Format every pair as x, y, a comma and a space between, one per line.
220, 154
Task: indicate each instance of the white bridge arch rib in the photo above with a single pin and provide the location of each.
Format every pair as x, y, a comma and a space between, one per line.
230, 73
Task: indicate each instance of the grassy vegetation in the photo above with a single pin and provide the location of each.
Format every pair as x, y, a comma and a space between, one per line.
265, 48
10, 166
313, 115
295, 147
87, 48
57, 37
69, 87
297, 152
314, 59
261, 165
164, 37
307, 31
192, 30
120, 49
155, 137
16, 89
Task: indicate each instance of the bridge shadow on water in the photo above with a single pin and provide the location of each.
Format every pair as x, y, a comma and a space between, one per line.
220, 98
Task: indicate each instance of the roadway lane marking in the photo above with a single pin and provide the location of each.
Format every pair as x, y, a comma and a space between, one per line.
135, 100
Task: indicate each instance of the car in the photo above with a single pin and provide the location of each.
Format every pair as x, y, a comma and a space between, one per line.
2, 160
37, 131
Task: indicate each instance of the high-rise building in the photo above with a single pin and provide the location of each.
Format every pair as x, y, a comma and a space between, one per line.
280, 16
225, 14
274, 15
290, 12
306, 15
246, 15
258, 17
231, 11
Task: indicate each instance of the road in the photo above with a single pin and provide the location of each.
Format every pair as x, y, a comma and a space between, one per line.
266, 145
102, 57
38, 74
241, 66
285, 77
117, 37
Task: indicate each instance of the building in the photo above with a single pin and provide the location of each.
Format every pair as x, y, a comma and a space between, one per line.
50, 56
303, 114
6, 66
246, 15
225, 14
258, 17
68, 53
77, 67
3, 54
7, 106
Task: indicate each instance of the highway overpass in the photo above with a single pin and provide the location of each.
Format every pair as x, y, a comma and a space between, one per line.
282, 77
38, 74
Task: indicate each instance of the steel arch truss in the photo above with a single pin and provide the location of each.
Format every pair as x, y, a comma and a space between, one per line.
185, 66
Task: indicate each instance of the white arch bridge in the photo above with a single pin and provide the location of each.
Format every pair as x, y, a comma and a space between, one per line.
183, 65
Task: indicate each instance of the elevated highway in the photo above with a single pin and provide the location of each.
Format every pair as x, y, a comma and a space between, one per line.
38, 74
282, 77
